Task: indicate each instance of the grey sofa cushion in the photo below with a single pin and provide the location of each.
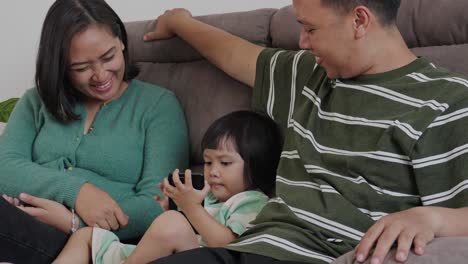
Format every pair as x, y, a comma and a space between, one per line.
437, 30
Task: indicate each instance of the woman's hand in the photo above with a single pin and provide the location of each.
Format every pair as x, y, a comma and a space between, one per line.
163, 201
11, 200
97, 208
44, 210
413, 227
162, 26
183, 194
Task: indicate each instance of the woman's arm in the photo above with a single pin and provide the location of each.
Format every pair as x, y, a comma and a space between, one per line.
165, 148
18, 172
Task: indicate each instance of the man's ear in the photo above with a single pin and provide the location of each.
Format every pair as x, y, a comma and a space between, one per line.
362, 21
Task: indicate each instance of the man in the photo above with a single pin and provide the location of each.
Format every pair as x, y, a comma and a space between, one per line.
363, 118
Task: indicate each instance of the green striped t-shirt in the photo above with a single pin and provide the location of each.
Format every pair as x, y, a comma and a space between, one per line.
355, 150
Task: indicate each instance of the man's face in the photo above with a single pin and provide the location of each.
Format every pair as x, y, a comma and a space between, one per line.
329, 35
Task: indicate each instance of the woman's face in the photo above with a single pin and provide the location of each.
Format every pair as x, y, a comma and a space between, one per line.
97, 65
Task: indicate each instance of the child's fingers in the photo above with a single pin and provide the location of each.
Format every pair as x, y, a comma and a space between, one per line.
176, 179
161, 186
168, 188
206, 188
188, 178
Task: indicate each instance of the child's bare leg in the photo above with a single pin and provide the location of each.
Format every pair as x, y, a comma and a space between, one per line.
78, 247
170, 232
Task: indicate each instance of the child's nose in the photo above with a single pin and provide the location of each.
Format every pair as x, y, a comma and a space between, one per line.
214, 172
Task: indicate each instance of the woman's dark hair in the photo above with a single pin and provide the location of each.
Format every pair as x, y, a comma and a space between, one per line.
386, 10
257, 139
64, 19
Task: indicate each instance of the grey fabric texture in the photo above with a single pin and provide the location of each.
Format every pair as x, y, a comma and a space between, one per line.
440, 250
436, 29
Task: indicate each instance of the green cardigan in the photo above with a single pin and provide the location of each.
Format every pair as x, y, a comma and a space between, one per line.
136, 141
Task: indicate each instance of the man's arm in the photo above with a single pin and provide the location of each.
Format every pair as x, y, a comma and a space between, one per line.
235, 56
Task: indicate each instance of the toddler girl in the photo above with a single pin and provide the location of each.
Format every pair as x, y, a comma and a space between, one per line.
241, 152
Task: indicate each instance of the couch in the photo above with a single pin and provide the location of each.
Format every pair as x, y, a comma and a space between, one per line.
437, 29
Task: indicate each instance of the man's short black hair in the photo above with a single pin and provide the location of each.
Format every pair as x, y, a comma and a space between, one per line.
257, 139
386, 10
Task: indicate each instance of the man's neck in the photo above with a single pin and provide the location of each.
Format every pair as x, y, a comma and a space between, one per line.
390, 52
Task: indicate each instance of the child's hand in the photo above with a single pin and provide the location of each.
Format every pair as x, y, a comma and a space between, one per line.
413, 227
163, 201
183, 194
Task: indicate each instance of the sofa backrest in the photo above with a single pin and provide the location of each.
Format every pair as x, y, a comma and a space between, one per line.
437, 29
205, 92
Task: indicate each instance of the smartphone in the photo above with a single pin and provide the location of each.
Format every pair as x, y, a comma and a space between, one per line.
198, 182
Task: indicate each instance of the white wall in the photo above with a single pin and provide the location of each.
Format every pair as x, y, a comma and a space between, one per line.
21, 21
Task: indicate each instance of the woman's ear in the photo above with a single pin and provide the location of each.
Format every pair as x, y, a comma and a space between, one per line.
122, 46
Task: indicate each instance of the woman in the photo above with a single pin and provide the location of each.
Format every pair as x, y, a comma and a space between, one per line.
90, 141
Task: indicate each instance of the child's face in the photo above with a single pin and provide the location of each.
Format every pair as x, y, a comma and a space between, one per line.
224, 171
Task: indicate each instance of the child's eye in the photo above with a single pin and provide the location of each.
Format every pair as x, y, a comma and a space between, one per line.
208, 163
225, 163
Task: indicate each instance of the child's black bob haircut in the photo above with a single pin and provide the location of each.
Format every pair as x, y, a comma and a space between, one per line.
257, 139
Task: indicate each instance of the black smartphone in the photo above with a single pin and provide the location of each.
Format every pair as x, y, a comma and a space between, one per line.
198, 182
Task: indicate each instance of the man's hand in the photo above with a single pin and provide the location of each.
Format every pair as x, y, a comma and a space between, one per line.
183, 194
413, 227
44, 210
97, 208
162, 26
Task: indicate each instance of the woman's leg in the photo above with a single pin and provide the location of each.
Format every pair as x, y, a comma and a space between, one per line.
78, 247
24, 239
169, 233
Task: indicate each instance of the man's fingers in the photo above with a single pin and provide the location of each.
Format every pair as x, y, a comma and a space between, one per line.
384, 243
405, 240
368, 241
420, 242
150, 36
